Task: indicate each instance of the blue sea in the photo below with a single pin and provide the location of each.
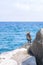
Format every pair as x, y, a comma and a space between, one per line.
13, 34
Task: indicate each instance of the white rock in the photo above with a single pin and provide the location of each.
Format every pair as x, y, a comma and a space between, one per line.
8, 55
5, 58
29, 61
8, 62
17, 57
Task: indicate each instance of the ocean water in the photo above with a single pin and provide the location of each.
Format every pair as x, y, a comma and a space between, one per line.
13, 34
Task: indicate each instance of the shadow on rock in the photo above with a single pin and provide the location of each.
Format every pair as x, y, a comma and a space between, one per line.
36, 49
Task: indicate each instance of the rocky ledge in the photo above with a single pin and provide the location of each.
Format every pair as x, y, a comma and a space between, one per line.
17, 57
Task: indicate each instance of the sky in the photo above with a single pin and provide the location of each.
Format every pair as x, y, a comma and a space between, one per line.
21, 10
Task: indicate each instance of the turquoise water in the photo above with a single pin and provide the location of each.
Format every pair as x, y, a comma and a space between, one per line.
13, 34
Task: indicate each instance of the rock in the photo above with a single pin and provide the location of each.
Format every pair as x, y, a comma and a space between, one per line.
16, 57
29, 61
8, 62
26, 45
23, 58
37, 47
20, 55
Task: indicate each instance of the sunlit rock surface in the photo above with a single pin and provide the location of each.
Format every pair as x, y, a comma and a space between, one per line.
17, 57
8, 62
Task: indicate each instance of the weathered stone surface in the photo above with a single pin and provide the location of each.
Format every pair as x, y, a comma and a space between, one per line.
37, 47
8, 62
20, 55
16, 57
29, 61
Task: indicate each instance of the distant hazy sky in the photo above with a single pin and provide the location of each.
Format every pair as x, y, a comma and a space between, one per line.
21, 10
